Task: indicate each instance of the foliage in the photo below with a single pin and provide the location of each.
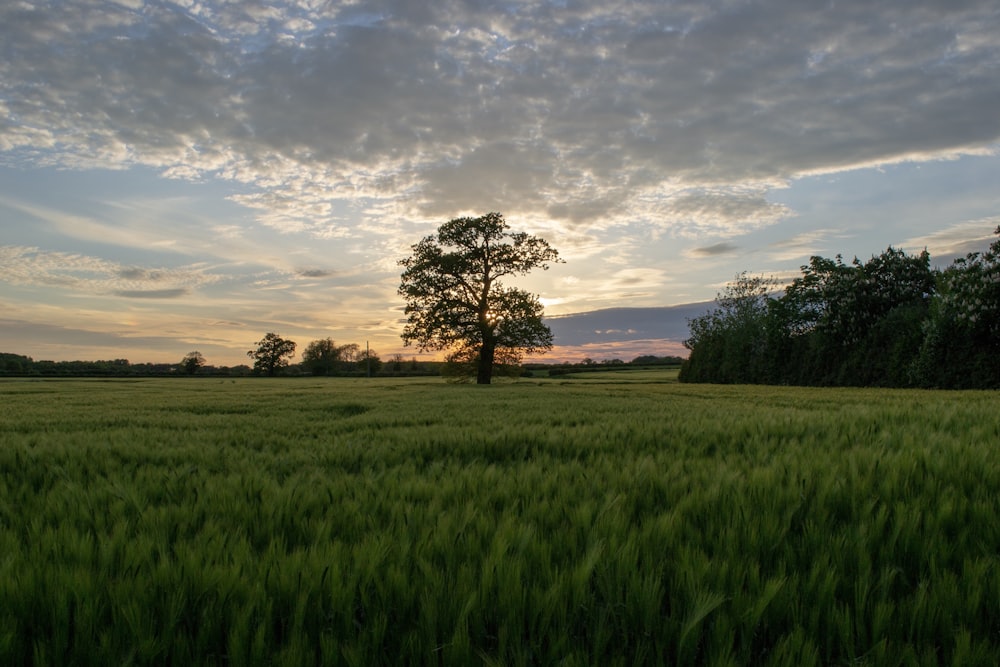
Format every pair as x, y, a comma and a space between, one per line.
14, 363
653, 360
354, 363
729, 344
890, 321
20, 365
961, 345
455, 299
588, 365
324, 357
271, 354
860, 317
583, 522
192, 362
369, 362
399, 366
349, 354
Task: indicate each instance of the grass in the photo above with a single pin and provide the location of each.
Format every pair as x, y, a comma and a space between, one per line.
599, 520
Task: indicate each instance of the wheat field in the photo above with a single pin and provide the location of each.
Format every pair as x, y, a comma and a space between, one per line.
618, 519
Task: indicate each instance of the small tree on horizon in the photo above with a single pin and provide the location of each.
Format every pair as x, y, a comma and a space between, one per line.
323, 357
272, 353
192, 362
369, 362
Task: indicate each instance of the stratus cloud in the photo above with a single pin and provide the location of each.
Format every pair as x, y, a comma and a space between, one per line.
172, 293
957, 240
92, 275
710, 209
314, 273
586, 113
723, 248
809, 243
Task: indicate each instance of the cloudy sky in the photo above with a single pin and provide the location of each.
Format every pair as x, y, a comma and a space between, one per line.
191, 174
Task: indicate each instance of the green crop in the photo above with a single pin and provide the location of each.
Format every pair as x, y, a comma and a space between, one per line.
600, 521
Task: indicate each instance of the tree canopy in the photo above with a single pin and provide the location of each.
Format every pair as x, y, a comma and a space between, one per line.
192, 362
324, 357
456, 300
890, 321
271, 354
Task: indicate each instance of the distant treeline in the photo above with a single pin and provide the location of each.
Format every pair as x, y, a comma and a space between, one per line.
645, 361
21, 366
16, 364
892, 321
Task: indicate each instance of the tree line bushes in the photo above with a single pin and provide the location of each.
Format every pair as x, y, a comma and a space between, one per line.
273, 355
587, 365
20, 365
890, 321
319, 358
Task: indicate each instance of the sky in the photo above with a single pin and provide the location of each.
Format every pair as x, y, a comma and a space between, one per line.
192, 174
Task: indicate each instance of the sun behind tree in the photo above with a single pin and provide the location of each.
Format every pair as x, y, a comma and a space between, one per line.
455, 300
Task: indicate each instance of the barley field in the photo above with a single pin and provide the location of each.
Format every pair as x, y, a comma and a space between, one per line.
618, 519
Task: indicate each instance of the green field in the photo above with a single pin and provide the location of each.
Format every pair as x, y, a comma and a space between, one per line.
615, 519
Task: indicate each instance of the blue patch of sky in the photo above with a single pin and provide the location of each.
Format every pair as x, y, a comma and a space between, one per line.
93, 193
870, 209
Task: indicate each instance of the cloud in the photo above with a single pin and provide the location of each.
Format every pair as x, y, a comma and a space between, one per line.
47, 341
955, 241
25, 266
625, 324
57, 335
724, 248
315, 273
737, 209
590, 114
139, 274
804, 245
154, 294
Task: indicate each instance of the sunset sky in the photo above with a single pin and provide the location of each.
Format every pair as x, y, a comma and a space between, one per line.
190, 175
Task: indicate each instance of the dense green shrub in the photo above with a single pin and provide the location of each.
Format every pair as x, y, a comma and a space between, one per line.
891, 321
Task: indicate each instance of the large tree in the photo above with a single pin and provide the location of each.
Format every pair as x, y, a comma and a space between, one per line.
455, 299
271, 354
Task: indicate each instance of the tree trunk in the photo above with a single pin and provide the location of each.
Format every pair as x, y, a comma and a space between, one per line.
486, 354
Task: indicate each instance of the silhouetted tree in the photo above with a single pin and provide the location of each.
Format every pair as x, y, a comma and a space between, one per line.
271, 354
462, 365
192, 362
349, 356
323, 357
369, 362
455, 300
